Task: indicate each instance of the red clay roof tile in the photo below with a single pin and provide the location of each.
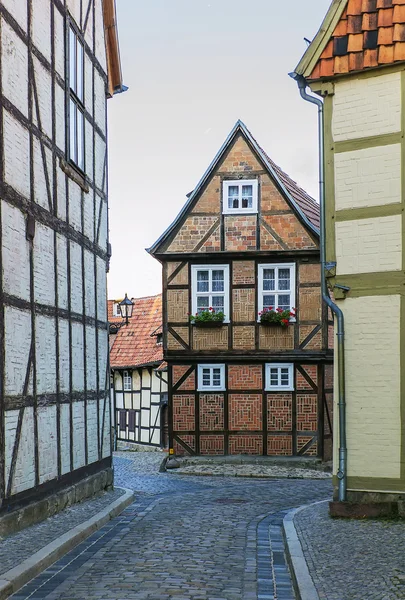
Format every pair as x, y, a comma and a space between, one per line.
134, 344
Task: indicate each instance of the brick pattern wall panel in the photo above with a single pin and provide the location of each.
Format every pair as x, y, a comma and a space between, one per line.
268, 241
210, 339
212, 444
243, 272
331, 337
243, 337
370, 177
244, 377
213, 243
290, 231
328, 376
310, 304
369, 245
183, 412
240, 233
210, 199
244, 305
181, 278
310, 273
276, 338
271, 199
178, 371
246, 444
211, 412
191, 233
301, 382
177, 306
307, 412
316, 342
279, 412
187, 439
239, 158
171, 267
311, 451
189, 383
367, 107
172, 343
245, 412
279, 445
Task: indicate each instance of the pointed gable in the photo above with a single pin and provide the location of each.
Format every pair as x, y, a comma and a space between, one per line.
356, 35
198, 227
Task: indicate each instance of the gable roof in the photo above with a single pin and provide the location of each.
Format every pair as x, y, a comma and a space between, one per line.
135, 344
356, 35
306, 208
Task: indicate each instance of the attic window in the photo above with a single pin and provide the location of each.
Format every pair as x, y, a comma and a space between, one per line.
159, 338
240, 196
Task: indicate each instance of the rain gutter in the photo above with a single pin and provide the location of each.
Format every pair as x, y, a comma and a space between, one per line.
342, 469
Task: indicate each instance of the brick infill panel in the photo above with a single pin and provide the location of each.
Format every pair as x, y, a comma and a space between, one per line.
245, 377
211, 412
183, 412
245, 412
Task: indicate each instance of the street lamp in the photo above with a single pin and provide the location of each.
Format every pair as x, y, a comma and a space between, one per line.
126, 307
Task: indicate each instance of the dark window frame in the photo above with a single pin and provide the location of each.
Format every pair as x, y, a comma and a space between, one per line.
75, 98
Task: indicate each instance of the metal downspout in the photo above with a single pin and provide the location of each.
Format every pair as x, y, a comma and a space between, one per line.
342, 471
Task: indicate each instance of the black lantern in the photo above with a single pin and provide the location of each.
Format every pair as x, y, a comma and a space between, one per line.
126, 307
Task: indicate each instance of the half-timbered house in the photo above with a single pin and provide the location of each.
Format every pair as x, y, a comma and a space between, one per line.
139, 376
58, 63
356, 68
247, 239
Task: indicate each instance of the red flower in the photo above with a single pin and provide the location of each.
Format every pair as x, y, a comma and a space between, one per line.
271, 308
210, 308
286, 321
279, 310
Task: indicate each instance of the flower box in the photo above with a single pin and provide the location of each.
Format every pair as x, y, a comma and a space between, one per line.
208, 323
270, 324
278, 317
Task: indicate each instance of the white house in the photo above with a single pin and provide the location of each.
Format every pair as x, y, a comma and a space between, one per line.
59, 62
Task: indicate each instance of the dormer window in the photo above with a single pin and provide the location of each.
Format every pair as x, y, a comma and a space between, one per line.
240, 196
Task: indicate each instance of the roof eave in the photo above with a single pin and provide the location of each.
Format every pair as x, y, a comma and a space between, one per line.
317, 46
114, 68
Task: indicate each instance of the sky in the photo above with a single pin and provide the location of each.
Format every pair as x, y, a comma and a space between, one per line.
193, 68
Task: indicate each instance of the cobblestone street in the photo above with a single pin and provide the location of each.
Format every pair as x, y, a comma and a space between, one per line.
185, 537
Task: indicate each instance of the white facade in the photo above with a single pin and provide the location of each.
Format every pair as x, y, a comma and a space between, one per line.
54, 409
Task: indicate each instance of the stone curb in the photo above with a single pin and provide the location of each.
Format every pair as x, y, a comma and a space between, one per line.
16, 578
302, 581
248, 475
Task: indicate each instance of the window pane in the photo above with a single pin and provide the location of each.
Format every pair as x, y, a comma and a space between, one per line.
218, 303
80, 70
72, 59
218, 281
202, 303
80, 139
284, 279
284, 378
72, 132
284, 301
233, 196
247, 196
216, 377
206, 377
274, 376
269, 301
202, 281
268, 279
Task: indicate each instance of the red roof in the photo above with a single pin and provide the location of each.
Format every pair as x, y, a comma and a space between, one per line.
135, 344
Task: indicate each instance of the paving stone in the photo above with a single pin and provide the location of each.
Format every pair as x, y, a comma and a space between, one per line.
352, 559
184, 538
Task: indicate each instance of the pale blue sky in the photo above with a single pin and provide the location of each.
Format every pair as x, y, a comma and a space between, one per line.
193, 68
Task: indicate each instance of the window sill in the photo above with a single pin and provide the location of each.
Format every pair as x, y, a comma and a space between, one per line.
202, 390
250, 212
279, 389
74, 174
208, 324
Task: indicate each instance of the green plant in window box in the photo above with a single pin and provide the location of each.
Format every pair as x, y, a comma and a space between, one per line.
208, 318
278, 316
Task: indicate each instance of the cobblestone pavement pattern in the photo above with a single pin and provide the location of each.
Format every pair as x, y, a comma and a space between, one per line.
16, 548
185, 538
353, 559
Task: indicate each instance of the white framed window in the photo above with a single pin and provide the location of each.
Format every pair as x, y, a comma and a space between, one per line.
240, 196
75, 109
127, 381
116, 309
211, 378
276, 286
210, 289
279, 376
